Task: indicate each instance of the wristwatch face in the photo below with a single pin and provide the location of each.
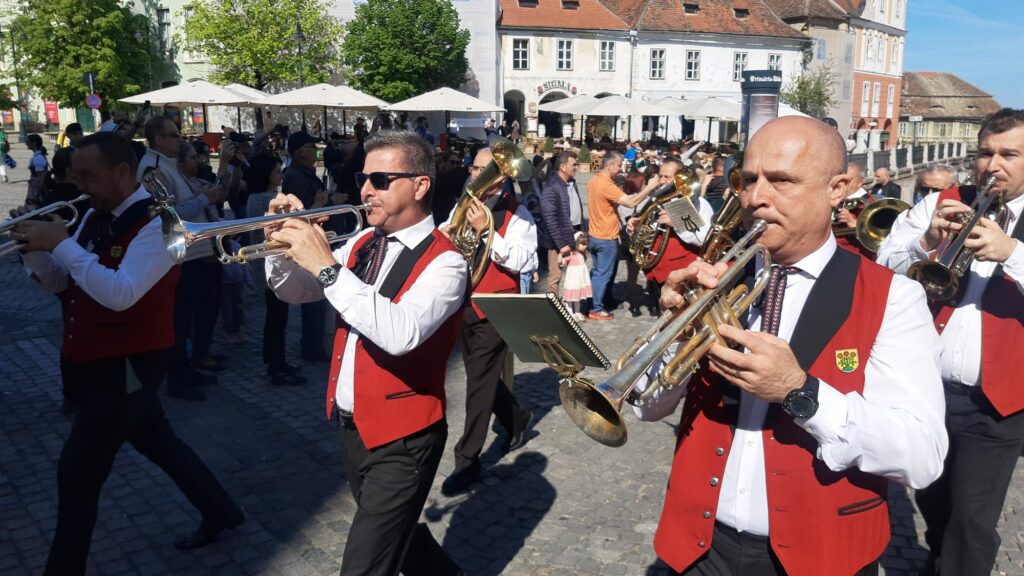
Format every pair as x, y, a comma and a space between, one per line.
327, 276
800, 404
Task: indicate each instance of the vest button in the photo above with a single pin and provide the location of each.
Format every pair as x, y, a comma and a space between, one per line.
71, 319
70, 336
72, 301
707, 514
942, 325
702, 544
719, 451
714, 481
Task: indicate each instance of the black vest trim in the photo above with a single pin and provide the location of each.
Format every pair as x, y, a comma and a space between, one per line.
125, 222
827, 307
402, 267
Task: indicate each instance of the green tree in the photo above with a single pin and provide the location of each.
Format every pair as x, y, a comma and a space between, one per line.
59, 41
395, 49
7, 100
811, 92
253, 42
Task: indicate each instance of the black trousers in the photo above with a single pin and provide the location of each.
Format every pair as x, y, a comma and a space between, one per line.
274, 327
484, 356
390, 484
735, 553
118, 408
196, 302
962, 507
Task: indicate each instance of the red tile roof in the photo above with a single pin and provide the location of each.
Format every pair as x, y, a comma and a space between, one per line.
943, 95
797, 10
590, 15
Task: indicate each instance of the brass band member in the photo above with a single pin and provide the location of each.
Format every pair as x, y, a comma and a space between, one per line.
398, 289
116, 284
484, 353
848, 218
982, 328
790, 435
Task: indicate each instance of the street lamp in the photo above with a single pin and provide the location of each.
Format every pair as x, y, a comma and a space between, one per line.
22, 105
139, 36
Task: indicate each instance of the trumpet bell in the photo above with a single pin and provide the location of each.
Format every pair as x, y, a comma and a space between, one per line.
173, 229
939, 282
595, 409
876, 220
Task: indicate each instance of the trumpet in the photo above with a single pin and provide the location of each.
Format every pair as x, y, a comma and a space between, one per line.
941, 277
179, 234
647, 244
509, 161
7, 226
597, 408
726, 221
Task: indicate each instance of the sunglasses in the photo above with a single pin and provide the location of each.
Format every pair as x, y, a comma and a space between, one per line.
928, 190
382, 180
171, 135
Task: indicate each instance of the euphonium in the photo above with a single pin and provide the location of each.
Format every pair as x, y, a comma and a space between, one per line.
596, 408
509, 161
7, 226
649, 239
941, 276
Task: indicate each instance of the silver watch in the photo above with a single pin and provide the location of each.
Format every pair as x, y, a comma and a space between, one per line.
328, 275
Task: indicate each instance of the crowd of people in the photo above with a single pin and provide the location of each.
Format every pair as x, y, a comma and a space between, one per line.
839, 379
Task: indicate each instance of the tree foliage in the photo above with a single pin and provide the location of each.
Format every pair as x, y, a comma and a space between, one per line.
7, 100
59, 41
811, 92
395, 49
253, 42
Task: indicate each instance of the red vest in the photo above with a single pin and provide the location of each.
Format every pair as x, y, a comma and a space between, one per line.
93, 332
821, 522
497, 279
396, 396
1002, 331
677, 255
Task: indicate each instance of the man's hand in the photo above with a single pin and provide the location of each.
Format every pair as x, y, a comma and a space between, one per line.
663, 218
768, 370
281, 204
40, 235
942, 225
847, 218
321, 198
678, 282
990, 242
339, 198
307, 245
476, 216
564, 251
631, 225
652, 183
215, 194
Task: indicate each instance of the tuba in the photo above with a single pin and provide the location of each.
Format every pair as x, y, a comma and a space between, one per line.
647, 244
597, 408
941, 276
509, 161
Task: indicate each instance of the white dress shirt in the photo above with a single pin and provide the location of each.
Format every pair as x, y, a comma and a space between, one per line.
961, 338
896, 429
397, 328
514, 249
145, 262
858, 193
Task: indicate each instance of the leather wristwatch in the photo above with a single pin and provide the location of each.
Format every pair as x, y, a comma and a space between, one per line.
328, 275
802, 402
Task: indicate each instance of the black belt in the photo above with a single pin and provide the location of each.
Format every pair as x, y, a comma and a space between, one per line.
958, 388
741, 536
345, 419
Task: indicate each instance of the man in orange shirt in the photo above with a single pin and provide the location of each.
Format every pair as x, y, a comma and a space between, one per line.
603, 195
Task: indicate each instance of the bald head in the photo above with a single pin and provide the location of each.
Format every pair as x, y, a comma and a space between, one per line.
819, 139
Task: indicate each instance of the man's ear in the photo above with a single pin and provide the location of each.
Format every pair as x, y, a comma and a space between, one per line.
422, 188
837, 186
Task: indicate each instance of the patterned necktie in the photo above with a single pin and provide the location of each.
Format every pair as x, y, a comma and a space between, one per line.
379, 247
1004, 219
771, 313
96, 229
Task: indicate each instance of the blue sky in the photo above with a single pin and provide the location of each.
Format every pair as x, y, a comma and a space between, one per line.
981, 41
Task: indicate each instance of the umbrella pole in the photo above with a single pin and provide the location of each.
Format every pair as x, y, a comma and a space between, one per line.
206, 120
239, 110
344, 122
323, 125
709, 130
447, 122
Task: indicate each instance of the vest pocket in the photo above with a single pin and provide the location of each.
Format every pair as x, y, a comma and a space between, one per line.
400, 395
862, 506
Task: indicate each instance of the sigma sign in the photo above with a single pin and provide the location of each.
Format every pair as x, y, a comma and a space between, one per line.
556, 85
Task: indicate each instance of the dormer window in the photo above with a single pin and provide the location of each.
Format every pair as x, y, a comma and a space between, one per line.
570, 4
691, 8
527, 3
741, 13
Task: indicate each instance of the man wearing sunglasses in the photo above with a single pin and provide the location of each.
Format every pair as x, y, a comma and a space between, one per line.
935, 178
484, 353
397, 287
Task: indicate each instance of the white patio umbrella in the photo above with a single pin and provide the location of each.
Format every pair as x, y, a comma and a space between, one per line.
711, 107
249, 92
787, 110
326, 96
563, 104
621, 106
194, 92
445, 100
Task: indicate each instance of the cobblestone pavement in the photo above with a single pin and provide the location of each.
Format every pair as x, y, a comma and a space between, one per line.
561, 505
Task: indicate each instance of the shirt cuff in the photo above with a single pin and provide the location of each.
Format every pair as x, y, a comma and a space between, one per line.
829, 422
499, 248
1014, 265
919, 253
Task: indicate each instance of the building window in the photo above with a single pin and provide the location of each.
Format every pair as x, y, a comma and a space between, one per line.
693, 64
943, 130
865, 101
520, 54
775, 61
881, 9
903, 129
871, 49
691, 8
657, 64
741, 13
890, 101
847, 86
565, 54
897, 10
848, 55
163, 27
820, 48
570, 4
876, 98
968, 130
895, 54
739, 65
607, 56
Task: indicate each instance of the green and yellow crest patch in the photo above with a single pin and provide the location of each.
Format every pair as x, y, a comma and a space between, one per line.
847, 360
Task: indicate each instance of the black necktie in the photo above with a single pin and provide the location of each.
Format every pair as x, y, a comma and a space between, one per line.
96, 229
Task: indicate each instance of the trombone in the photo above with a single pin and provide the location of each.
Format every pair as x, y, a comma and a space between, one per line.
179, 234
597, 408
7, 226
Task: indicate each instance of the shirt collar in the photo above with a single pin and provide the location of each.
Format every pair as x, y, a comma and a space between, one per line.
163, 157
814, 263
412, 236
140, 194
859, 193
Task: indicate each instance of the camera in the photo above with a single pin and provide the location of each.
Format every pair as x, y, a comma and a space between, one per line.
239, 137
